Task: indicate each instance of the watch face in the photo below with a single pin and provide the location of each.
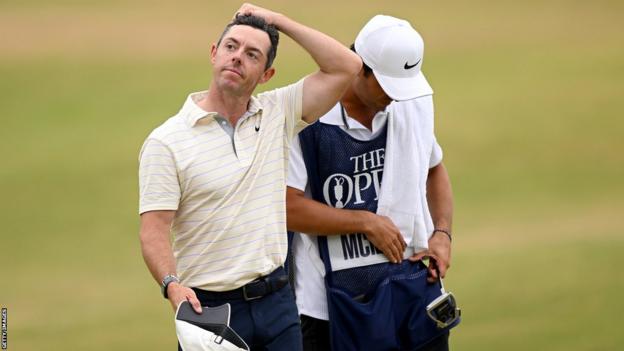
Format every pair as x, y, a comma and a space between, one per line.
170, 278
166, 281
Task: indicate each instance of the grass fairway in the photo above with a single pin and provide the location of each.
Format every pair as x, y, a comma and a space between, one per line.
529, 102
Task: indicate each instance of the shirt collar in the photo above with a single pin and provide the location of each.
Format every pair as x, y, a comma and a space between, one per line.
192, 113
334, 117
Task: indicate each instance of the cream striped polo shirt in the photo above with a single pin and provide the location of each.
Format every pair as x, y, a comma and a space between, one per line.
229, 194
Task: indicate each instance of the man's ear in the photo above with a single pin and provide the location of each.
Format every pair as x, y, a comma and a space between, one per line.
266, 76
213, 53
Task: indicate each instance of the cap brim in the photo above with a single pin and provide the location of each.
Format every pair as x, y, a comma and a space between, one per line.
207, 331
192, 337
400, 89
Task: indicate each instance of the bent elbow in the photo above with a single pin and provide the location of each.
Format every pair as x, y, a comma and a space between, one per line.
355, 64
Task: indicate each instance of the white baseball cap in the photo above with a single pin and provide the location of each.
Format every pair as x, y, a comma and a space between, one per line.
208, 331
394, 51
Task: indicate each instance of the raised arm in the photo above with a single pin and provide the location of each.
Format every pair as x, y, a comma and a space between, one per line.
337, 64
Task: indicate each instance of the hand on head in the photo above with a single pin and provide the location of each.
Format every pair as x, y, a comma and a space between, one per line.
248, 9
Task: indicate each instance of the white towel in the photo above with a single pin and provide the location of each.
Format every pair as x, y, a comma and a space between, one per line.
408, 156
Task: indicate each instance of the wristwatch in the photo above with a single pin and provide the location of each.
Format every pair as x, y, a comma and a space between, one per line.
168, 279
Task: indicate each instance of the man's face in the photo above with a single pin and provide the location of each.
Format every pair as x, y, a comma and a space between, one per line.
240, 59
370, 92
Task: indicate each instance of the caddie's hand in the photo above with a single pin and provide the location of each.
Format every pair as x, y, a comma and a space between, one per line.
439, 254
178, 293
249, 9
381, 232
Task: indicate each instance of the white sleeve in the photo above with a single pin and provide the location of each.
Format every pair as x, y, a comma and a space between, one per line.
297, 172
291, 99
159, 188
436, 154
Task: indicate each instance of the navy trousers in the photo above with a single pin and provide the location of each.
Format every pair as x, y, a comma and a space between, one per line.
269, 323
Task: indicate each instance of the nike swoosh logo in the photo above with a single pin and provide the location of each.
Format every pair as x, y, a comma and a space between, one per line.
408, 66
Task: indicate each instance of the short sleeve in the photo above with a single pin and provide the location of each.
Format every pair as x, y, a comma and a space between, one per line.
436, 154
297, 172
159, 188
291, 97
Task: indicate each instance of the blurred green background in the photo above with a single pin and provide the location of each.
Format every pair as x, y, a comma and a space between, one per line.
529, 100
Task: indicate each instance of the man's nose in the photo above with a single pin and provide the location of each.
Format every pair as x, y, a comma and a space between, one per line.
236, 56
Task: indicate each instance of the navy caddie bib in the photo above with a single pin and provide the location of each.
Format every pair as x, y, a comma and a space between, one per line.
372, 304
344, 172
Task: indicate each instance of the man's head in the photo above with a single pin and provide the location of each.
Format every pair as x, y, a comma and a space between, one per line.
393, 51
258, 23
368, 90
243, 56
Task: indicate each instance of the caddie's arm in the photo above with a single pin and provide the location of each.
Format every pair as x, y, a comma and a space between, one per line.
337, 64
158, 255
440, 199
315, 218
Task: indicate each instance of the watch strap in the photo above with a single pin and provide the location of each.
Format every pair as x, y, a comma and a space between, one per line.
168, 279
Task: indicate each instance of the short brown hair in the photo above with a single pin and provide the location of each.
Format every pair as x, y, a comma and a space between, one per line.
258, 23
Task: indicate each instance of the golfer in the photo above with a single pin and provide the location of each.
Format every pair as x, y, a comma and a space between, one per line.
212, 177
